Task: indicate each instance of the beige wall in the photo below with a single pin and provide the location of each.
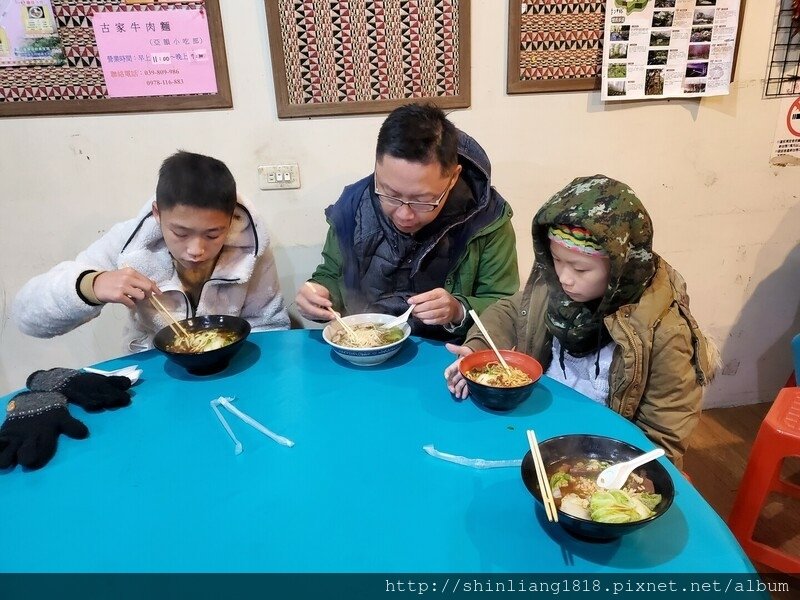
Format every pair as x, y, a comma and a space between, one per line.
723, 216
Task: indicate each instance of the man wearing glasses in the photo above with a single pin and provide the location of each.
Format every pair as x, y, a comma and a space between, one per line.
426, 228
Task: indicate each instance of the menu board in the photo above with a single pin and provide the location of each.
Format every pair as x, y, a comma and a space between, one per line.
29, 34
668, 48
155, 53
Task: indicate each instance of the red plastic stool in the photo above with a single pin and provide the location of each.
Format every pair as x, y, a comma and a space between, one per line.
778, 438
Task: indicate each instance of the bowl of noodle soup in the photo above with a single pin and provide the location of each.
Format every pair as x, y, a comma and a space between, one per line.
373, 344
491, 386
587, 511
212, 342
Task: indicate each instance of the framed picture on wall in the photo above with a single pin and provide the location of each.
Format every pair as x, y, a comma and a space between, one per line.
359, 56
554, 45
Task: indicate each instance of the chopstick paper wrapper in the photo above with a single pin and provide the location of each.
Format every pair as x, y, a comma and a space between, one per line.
475, 463
226, 404
132, 372
237, 445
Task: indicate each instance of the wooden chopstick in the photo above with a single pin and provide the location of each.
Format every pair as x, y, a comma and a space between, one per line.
541, 476
485, 333
176, 327
339, 319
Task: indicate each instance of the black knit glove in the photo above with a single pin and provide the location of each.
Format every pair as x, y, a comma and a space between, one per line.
90, 391
33, 423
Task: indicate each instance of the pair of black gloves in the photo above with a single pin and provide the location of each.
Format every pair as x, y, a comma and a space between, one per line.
35, 418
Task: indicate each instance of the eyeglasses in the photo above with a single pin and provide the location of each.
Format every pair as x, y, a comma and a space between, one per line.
415, 206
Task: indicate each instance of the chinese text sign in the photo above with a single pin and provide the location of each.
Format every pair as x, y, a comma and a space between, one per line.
155, 53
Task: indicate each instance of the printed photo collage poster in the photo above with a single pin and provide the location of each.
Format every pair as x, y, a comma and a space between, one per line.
29, 34
668, 48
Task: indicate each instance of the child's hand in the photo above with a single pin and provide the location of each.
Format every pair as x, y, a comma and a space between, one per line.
313, 301
455, 381
437, 307
126, 286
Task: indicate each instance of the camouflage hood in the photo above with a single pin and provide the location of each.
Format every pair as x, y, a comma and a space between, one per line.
619, 223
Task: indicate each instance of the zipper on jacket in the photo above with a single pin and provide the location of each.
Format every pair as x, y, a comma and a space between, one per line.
637, 361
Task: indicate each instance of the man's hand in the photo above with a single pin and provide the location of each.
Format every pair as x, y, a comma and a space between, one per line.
125, 286
313, 301
437, 307
455, 381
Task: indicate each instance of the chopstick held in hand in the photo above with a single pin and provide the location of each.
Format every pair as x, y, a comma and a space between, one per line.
176, 327
339, 319
485, 333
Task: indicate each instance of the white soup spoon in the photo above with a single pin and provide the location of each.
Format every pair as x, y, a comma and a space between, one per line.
615, 476
399, 320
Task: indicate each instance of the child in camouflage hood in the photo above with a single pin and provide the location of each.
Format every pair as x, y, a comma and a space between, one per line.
604, 314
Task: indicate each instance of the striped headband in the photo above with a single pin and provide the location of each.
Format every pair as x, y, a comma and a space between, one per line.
575, 238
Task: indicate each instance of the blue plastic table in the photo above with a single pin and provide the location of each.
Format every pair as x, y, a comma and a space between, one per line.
157, 486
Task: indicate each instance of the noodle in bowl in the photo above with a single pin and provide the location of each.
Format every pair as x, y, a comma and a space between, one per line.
369, 354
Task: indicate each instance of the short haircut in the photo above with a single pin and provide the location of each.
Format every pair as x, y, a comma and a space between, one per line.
195, 180
419, 133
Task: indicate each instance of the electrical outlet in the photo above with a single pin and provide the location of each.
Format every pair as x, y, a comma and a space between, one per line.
283, 176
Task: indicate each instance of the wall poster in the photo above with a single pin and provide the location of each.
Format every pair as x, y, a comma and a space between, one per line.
155, 54
29, 34
668, 48
112, 56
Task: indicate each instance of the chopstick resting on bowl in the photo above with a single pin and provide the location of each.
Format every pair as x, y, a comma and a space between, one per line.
176, 327
541, 477
339, 319
485, 333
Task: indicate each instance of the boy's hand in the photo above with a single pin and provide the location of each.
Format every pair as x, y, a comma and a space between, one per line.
125, 286
313, 301
437, 307
455, 381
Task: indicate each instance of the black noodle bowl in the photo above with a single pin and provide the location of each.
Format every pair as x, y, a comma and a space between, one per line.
577, 447
211, 361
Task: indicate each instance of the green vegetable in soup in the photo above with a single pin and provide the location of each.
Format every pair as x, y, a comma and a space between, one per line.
650, 500
392, 335
560, 479
616, 506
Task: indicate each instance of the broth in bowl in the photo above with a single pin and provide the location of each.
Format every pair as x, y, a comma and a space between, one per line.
196, 342
575, 491
367, 335
495, 375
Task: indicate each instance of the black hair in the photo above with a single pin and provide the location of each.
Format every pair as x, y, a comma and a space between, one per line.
419, 133
190, 179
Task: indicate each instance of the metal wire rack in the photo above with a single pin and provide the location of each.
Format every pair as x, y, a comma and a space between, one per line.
783, 69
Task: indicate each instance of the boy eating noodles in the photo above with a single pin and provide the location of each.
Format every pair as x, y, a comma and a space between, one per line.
197, 245
604, 314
